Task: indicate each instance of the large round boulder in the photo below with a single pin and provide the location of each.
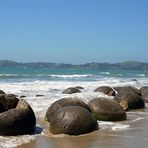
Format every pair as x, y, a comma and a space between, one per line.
18, 120
134, 101
105, 109
72, 120
63, 103
106, 90
71, 90
127, 89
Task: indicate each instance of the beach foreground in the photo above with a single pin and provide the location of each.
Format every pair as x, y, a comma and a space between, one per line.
134, 136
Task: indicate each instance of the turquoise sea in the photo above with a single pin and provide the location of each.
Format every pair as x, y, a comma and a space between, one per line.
49, 85
32, 74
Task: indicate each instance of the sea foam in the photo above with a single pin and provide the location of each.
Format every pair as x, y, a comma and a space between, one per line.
112, 126
14, 141
71, 76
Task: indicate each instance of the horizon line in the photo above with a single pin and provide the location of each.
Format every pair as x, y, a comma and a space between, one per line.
73, 63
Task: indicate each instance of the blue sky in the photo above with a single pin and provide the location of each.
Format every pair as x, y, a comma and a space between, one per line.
74, 31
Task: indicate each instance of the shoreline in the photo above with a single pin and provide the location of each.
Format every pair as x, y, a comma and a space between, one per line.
133, 137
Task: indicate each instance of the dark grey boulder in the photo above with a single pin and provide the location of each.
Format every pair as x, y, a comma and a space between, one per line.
105, 109
73, 120
22, 96
71, 90
63, 103
8, 101
127, 89
17, 121
39, 95
106, 90
134, 101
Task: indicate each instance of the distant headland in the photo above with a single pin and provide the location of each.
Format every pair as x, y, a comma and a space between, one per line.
128, 65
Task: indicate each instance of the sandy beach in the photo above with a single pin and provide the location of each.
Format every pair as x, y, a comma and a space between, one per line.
135, 136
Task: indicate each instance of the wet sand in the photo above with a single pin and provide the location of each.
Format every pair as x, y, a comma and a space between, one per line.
136, 136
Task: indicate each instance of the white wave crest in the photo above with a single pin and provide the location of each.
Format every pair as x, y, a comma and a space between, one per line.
105, 73
140, 75
71, 76
113, 126
8, 75
12, 141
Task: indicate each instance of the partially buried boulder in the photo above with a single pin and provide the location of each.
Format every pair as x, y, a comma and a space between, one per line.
134, 101
107, 109
72, 120
39, 95
22, 96
63, 103
106, 90
71, 90
127, 89
18, 120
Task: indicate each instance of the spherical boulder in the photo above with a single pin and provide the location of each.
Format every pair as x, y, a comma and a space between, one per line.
72, 120
128, 89
107, 109
106, 90
18, 120
63, 103
71, 90
133, 100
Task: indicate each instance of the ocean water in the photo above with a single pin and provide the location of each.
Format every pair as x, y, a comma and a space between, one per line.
51, 82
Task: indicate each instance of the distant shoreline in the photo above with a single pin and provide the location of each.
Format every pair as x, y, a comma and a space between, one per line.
128, 65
